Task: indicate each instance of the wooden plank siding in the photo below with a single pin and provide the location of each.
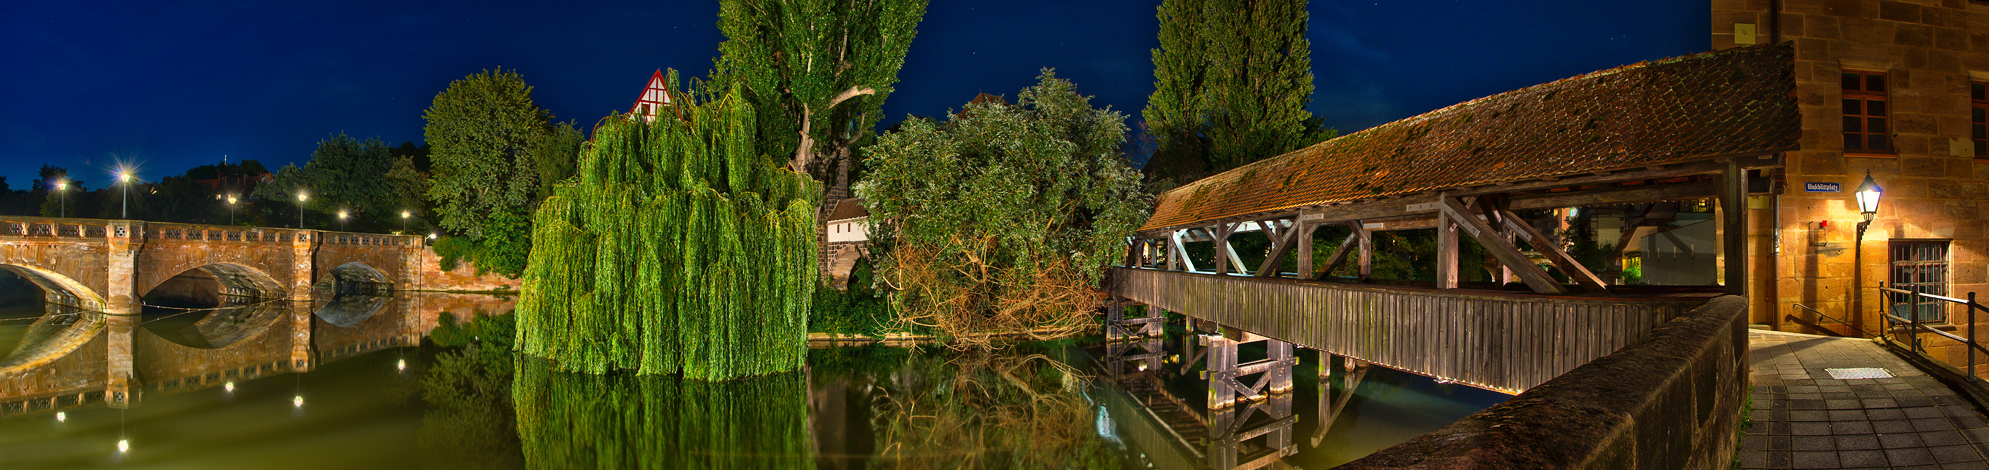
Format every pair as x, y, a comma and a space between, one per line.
1507, 342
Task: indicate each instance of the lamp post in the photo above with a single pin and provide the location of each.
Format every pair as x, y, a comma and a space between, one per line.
341, 220
301, 197
62, 186
1867, 195
231, 209
404, 216
124, 179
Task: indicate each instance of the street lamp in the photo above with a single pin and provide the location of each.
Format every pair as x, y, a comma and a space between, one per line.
341, 220
231, 209
62, 186
404, 216
301, 197
1868, 202
124, 178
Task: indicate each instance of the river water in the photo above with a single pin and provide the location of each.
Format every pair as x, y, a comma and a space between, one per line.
421, 381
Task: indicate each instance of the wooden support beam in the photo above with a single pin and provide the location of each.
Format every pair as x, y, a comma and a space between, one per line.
1304, 240
1733, 214
1625, 195
1532, 275
1561, 260
1366, 258
1221, 238
1281, 244
1339, 255
1180, 252
1446, 250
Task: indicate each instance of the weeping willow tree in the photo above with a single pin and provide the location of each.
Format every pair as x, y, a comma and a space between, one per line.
624, 421
675, 248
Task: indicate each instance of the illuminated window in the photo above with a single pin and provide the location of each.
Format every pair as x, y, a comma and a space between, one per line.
1979, 118
1865, 126
1920, 266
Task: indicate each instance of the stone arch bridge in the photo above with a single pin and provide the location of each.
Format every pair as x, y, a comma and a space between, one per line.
107, 265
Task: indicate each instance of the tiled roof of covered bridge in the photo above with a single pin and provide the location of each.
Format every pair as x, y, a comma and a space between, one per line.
1734, 102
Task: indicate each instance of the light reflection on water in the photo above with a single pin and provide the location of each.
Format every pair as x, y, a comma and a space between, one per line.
224, 394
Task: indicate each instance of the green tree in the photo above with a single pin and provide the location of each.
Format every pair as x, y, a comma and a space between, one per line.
676, 249
481, 131
1004, 217
1174, 110
555, 156
350, 174
816, 73
1231, 83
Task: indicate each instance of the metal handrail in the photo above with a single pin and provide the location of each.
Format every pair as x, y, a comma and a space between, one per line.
1835, 319
1913, 306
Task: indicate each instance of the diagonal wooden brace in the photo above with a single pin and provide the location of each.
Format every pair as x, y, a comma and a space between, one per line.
1561, 259
1498, 247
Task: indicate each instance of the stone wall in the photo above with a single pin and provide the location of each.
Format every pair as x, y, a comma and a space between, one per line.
462, 279
839, 260
1670, 401
1935, 189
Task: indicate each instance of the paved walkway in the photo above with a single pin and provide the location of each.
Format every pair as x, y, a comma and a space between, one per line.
1803, 418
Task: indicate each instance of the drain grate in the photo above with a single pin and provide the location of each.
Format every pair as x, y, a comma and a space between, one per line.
1859, 373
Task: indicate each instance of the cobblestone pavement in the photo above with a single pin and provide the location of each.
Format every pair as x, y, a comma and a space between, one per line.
1803, 418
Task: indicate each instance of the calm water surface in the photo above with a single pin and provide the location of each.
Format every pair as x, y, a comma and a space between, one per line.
361, 382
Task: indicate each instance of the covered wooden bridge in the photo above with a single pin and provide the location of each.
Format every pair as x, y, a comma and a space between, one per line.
1688, 128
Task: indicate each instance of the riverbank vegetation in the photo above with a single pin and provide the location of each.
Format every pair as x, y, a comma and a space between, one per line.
1003, 217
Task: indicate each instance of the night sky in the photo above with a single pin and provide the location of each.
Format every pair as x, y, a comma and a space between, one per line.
172, 85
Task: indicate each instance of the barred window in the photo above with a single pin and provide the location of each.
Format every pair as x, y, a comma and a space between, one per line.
1920, 266
1866, 129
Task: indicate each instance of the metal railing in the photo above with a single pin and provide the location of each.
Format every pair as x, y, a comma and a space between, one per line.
1915, 324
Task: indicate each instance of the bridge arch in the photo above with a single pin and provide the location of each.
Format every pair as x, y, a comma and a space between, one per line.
58, 288
215, 284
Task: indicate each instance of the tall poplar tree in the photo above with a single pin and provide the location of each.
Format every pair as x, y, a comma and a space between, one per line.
1174, 112
815, 71
1232, 79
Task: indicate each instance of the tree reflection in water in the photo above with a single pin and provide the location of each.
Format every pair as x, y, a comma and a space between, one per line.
623, 420
469, 424
986, 411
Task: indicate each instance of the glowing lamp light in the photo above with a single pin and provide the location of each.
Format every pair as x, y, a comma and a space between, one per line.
1868, 197
302, 196
231, 199
405, 214
297, 401
431, 235
123, 445
62, 185
124, 176
401, 365
61, 417
230, 387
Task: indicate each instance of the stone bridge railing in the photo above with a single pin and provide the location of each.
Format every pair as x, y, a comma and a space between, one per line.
88, 229
55, 228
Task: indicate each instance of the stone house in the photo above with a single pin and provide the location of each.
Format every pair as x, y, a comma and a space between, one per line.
1889, 89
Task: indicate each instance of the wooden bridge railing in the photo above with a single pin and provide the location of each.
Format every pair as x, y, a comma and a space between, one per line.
1496, 340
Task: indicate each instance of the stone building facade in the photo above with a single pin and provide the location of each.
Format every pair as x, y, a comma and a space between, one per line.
1892, 89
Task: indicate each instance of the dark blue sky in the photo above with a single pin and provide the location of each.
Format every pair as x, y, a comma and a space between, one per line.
172, 85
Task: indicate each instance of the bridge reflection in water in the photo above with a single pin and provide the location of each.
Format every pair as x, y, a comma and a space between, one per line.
1210, 399
64, 356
